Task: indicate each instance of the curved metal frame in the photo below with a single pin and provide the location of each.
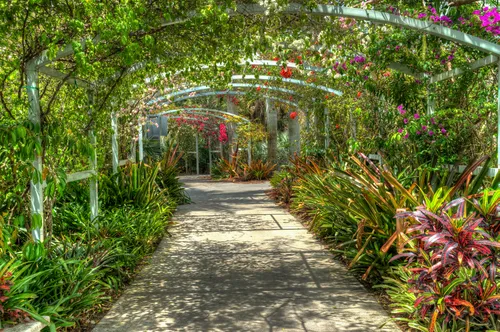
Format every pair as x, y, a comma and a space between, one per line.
232, 93
199, 110
204, 87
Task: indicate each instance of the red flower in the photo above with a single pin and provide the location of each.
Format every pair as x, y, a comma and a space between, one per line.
291, 97
337, 126
326, 96
293, 115
299, 60
286, 72
258, 88
359, 94
276, 58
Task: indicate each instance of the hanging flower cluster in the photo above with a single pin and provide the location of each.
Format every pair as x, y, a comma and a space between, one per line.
222, 133
293, 115
490, 18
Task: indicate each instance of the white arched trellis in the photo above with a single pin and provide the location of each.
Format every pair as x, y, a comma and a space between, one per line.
39, 64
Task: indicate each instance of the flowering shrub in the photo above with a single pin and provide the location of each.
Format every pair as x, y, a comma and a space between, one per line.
444, 135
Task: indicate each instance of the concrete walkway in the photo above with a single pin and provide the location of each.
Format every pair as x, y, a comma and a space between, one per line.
238, 262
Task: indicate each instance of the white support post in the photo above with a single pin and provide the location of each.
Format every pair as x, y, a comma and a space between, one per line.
249, 151
141, 146
232, 134
36, 188
272, 131
209, 156
94, 202
294, 136
114, 142
197, 157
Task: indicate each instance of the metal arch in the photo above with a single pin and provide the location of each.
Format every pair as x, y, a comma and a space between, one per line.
191, 109
380, 17
199, 113
205, 87
286, 80
233, 93
245, 62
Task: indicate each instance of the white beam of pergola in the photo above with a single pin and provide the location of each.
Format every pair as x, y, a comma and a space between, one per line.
205, 88
225, 92
201, 110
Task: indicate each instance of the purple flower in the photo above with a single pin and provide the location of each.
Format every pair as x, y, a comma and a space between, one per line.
422, 15
405, 121
443, 131
400, 130
416, 116
476, 12
431, 133
418, 81
418, 132
433, 121
451, 57
406, 136
397, 48
435, 19
446, 19
359, 59
424, 128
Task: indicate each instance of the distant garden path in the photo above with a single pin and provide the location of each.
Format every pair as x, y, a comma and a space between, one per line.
238, 262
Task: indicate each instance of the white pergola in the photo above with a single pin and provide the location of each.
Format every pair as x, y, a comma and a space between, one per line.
39, 65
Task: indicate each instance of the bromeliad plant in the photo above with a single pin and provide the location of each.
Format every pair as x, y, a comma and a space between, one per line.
453, 265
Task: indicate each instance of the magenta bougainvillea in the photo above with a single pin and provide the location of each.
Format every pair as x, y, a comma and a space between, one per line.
222, 133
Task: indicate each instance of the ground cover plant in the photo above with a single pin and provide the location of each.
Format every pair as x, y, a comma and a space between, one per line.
86, 262
374, 219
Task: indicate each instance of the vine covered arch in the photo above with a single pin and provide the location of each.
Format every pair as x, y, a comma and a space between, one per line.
43, 62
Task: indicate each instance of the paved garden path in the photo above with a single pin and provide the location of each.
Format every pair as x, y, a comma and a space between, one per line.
238, 262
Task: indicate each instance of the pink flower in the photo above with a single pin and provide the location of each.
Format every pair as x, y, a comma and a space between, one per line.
431, 133
424, 128
416, 116
443, 131
401, 109
400, 130
406, 136
418, 132
422, 15
405, 121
